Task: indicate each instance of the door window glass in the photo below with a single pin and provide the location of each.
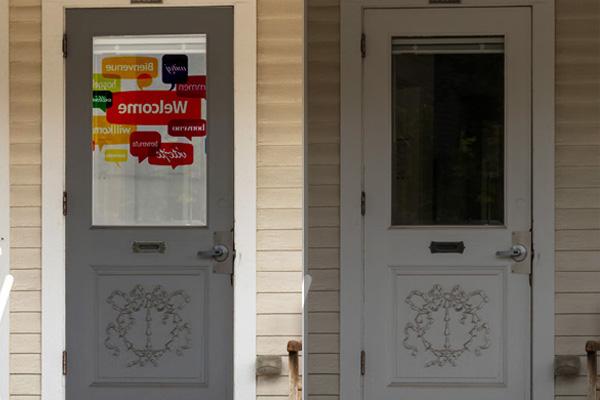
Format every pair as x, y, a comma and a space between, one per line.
448, 131
149, 130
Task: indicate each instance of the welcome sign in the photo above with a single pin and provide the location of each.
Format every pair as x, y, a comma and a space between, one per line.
149, 130
149, 109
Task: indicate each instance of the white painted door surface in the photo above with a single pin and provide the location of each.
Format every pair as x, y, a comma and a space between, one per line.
447, 127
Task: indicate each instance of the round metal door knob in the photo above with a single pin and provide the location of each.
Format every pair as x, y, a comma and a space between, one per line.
219, 253
517, 252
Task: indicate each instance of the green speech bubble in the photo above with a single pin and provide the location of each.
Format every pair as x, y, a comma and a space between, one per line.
102, 99
102, 83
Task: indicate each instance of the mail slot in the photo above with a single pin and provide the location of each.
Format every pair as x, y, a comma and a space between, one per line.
447, 247
149, 247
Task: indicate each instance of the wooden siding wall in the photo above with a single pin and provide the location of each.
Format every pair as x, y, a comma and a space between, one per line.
25, 187
324, 197
577, 183
280, 184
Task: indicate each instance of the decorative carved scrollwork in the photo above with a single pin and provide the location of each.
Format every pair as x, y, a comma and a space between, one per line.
147, 303
455, 306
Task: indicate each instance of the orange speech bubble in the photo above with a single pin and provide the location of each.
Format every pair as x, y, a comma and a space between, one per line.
130, 67
104, 133
144, 80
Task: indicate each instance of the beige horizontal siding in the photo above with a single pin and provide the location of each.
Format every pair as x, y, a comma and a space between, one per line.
25, 187
577, 184
280, 159
324, 198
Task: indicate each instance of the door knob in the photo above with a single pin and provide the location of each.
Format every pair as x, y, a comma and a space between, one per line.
517, 252
219, 253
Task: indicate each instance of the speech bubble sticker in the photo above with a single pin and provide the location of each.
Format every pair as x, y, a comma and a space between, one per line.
173, 154
151, 107
100, 82
195, 86
187, 128
143, 81
102, 99
143, 144
174, 69
116, 156
129, 67
104, 133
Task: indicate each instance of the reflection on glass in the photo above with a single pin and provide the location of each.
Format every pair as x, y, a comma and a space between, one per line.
448, 131
149, 131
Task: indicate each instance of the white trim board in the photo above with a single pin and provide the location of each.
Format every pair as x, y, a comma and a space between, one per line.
4, 192
542, 375
305, 208
53, 161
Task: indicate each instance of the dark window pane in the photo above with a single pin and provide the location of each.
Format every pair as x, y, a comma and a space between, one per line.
448, 136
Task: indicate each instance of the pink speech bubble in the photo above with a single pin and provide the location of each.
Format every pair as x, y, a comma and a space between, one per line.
173, 154
187, 128
144, 144
194, 87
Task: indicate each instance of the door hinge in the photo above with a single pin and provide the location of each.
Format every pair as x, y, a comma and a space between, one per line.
65, 201
363, 204
64, 362
530, 279
233, 255
363, 362
363, 45
64, 45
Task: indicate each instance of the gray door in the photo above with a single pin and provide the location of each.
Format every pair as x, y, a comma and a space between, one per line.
149, 226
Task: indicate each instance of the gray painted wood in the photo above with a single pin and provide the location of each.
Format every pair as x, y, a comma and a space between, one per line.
103, 272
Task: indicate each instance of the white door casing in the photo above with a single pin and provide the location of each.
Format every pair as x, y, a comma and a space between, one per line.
53, 159
404, 342
4, 193
543, 134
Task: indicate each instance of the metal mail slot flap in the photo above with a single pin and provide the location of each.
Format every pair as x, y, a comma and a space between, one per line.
447, 247
149, 247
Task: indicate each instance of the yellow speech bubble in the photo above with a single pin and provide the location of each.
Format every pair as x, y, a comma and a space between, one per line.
111, 84
129, 67
115, 156
104, 133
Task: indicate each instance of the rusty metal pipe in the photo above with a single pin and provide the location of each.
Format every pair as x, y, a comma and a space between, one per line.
294, 347
591, 349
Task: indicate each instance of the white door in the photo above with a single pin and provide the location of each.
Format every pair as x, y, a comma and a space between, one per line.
447, 127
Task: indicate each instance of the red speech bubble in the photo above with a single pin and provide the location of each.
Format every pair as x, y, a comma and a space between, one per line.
151, 107
188, 128
144, 144
194, 87
173, 154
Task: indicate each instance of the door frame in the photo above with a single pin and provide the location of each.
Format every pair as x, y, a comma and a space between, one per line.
4, 192
351, 252
53, 181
